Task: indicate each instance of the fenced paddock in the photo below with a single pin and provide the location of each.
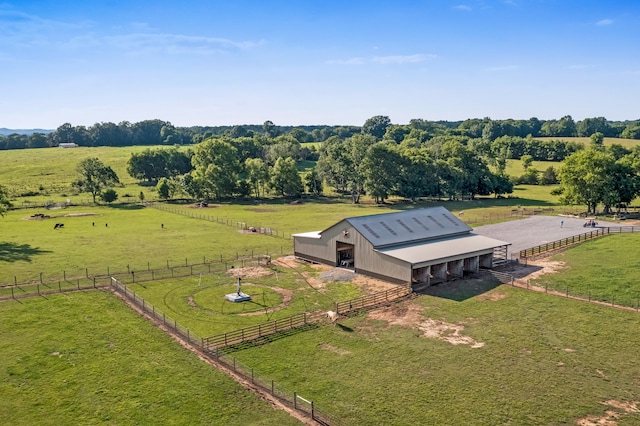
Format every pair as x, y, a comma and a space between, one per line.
170, 269
207, 347
545, 249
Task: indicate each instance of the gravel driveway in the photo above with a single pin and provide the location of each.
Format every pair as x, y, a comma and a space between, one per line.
536, 230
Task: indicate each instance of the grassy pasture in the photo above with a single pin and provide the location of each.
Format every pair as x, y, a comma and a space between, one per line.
87, 358
54, 169
627, 143
133, 237
545, 360
605, 269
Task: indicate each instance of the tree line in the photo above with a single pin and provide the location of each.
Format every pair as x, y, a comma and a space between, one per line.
159, 132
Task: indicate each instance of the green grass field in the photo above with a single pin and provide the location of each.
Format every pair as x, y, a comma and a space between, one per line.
49, 173
87, 359
604, 269
627, 143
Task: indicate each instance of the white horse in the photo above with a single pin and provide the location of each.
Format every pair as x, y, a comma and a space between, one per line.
333, 316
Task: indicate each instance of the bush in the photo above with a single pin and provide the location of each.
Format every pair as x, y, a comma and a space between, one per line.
109, 195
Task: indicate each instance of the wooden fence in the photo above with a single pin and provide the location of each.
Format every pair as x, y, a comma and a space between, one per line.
246, 334
565, 242
372, 300
87, 278
243, 225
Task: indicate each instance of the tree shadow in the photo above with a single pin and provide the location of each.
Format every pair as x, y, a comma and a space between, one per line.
12, 252
126, 206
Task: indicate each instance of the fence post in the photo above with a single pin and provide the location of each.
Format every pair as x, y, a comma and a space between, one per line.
295, 401
64, 275
86, 272
272, 388
40, 277
13, 296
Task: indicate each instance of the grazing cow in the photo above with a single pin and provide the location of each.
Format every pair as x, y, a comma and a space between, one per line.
58, 225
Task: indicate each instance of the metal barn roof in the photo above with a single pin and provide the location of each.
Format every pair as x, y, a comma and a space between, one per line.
388, 229
434, 250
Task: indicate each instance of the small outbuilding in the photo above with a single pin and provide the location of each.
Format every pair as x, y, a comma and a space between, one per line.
422, 246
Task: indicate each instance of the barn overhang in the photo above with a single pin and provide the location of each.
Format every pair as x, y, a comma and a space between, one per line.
444, 250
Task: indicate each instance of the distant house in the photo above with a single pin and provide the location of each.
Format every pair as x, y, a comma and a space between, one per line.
67, 145
422, 246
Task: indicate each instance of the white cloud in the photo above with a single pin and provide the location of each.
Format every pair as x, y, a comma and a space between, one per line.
140, 43
604, 22
384, 60
463, 7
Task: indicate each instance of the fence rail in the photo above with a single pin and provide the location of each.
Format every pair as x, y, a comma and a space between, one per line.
242, 225
257, 331
371, 300
86, 278
565, 242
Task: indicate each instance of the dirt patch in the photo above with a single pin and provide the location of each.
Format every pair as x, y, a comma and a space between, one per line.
372, 285
611, 417
537, 268
249, 272
46, 216
328, 347
410, 315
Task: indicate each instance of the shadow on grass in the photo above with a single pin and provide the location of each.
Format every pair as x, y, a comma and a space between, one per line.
12, 252
263, 340
461, 290
345, 328
126, 206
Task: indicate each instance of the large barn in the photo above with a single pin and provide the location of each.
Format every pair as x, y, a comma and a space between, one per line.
410, 247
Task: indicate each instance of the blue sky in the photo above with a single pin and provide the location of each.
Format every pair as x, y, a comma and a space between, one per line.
316, 61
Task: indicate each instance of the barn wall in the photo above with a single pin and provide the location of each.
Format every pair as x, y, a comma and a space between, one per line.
324, 249
366, 260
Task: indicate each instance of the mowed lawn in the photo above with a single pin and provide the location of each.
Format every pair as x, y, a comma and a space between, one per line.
86, 358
